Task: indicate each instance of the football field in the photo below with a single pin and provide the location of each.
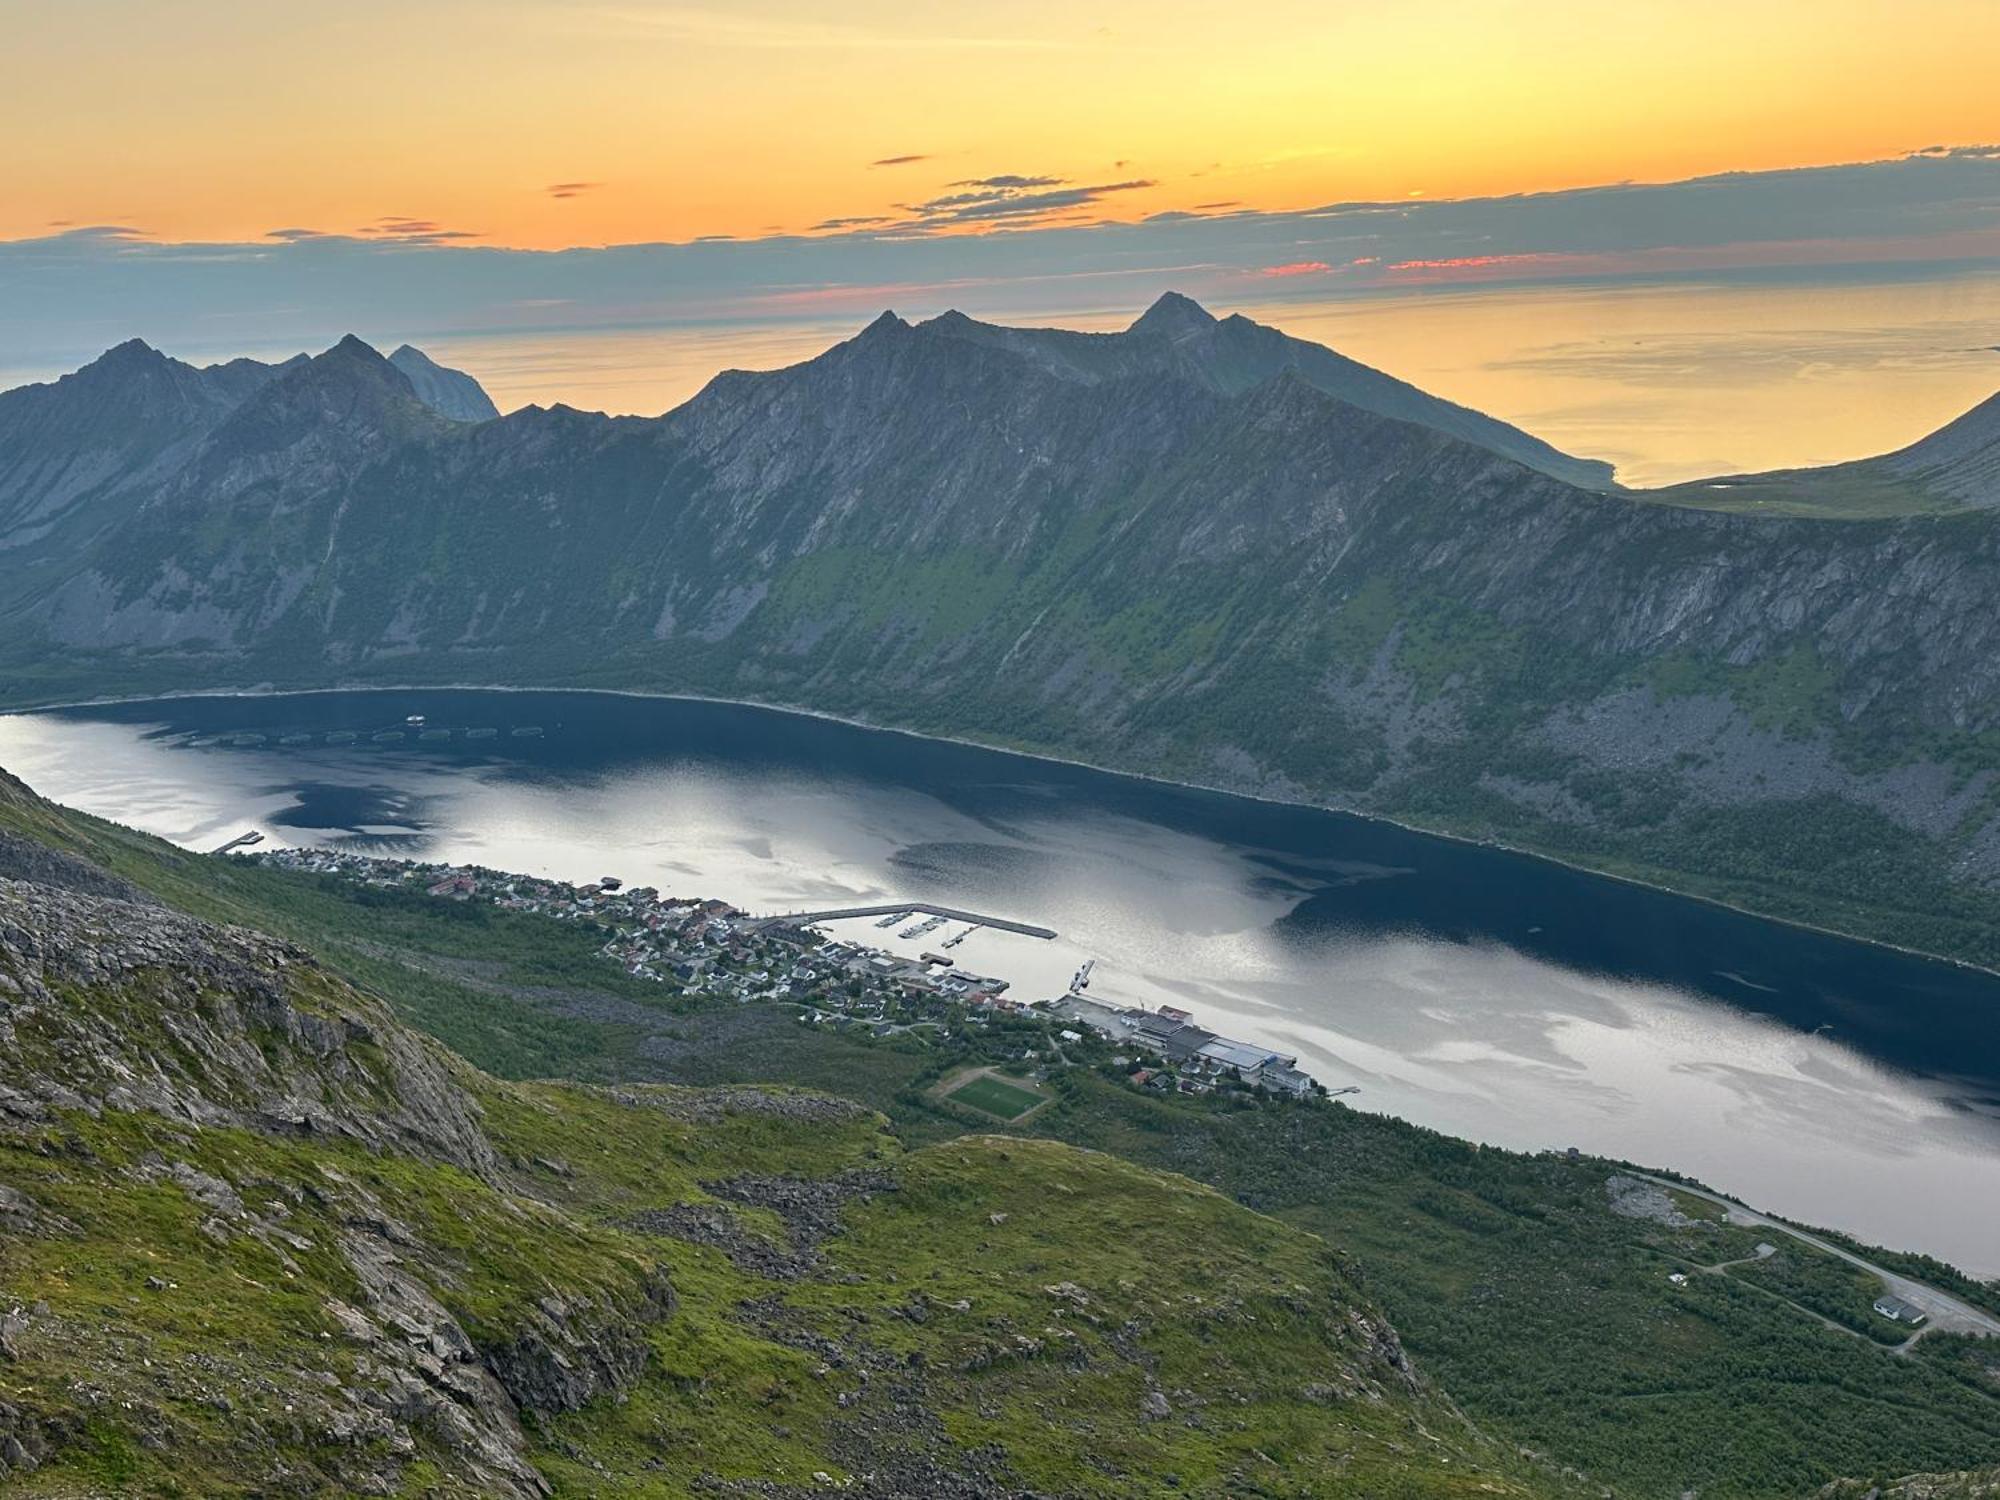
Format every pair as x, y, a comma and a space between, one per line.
995, 1096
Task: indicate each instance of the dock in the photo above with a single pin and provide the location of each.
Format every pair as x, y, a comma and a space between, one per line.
241, 841
903, 908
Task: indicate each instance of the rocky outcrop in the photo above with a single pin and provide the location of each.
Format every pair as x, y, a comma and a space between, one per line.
27, 860
116, 1004
122, 1007
574, 1348
23, 1445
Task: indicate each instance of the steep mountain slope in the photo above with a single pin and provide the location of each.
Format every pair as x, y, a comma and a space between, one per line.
449, 393
259, 1237
120, 424
78, 455
1091, 549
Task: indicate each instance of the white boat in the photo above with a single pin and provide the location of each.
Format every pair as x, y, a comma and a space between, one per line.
1082, 980
414, 719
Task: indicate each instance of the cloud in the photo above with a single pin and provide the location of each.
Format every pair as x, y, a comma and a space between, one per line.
896, 161
1296, 268
397, 229
570, 189
71, 292
1009, 180
855, 221
996, 204
1465, 262
1961, 153
295, 234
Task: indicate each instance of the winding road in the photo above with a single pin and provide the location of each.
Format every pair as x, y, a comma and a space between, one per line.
1946, 1313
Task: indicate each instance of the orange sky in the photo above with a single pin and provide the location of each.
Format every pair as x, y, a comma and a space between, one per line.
225, 119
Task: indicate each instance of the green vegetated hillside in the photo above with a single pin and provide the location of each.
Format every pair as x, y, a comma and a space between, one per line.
1982, 1484
759, 1234
1195, 549
259, 1237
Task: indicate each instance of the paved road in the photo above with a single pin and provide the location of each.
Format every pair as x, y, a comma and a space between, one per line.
1946, 1312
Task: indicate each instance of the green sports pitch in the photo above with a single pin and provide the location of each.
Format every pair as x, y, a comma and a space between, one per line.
996, 1097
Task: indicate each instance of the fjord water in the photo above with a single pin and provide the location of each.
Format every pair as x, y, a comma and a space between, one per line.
1482, 993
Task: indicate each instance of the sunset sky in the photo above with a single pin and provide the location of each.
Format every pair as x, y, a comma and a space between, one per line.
1688, 234
553, 123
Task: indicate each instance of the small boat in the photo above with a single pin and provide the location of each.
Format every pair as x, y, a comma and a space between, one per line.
1082, 980
957, 938
891, 921
414, 719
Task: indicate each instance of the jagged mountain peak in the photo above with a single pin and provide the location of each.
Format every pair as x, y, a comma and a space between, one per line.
951, 322
1172, 314
346, 394
130, 352
353, 346
888, 322
1179, 338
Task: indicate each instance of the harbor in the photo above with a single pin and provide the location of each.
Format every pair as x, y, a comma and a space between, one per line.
897, 911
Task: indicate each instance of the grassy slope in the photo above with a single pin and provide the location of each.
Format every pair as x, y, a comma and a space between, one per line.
1861, 491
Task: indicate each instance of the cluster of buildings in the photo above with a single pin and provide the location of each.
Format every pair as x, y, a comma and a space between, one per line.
1187, 1057
718, 950
705, 945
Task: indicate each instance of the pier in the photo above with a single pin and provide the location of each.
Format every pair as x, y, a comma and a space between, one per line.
241, 841
899, 908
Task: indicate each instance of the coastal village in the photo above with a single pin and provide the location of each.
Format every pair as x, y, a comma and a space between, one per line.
715, 950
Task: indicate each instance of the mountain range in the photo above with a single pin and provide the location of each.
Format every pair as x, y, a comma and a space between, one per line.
1198, 548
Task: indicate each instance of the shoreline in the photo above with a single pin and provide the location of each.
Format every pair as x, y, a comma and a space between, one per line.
1796, 923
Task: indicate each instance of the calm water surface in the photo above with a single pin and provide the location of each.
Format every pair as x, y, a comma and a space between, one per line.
1482, 993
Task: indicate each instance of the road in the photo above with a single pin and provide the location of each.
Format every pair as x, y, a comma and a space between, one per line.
1946, 1313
